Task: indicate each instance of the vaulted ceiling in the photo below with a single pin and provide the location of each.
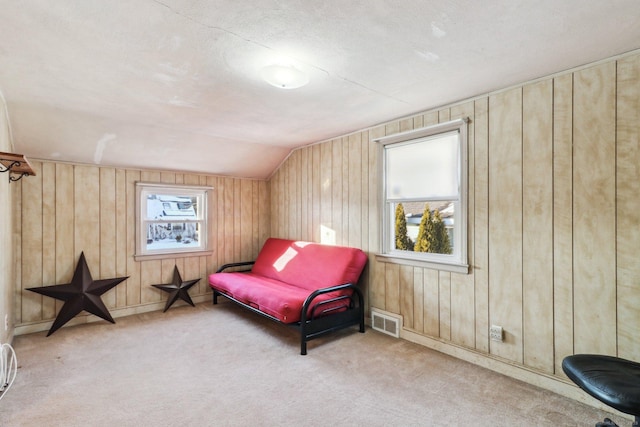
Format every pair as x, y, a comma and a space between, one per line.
176, 84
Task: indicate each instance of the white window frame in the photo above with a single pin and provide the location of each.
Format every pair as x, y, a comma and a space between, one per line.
456, 262
143, 189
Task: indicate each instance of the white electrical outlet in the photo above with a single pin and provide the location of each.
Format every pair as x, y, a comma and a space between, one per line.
495, 333
6, 322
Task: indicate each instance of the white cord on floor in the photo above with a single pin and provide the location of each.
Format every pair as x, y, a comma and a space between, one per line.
8, 368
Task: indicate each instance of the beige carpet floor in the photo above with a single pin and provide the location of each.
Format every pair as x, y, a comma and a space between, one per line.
222, 366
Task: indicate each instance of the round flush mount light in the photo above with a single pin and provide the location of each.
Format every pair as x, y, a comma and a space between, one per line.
284, 76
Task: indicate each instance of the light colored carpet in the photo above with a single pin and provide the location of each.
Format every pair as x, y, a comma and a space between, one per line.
223, 366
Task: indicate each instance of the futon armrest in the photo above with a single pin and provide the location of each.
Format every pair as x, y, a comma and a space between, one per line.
357, 293
235, 264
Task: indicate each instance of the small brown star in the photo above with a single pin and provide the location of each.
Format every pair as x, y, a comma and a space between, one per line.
177, 289
83, 293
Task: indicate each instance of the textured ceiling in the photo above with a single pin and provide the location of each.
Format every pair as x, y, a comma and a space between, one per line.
175, 84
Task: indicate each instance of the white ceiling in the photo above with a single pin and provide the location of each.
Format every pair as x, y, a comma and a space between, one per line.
175, 84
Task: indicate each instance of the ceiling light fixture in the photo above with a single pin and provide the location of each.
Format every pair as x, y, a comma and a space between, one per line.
284, 76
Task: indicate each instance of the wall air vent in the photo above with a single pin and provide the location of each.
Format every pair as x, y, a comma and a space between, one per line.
386, 322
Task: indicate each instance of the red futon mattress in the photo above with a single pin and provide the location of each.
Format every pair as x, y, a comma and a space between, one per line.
286, 272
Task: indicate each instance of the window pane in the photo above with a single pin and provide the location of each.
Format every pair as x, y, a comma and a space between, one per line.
163, 206
420, 167
424, 227
426, 168
178, 235
171, 219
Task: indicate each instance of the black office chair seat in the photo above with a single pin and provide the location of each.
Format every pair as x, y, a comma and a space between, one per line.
611, 380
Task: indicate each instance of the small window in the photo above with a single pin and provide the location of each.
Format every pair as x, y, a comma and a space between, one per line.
172, 219
424, 196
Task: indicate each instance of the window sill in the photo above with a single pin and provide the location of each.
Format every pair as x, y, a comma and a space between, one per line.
434, 265
150, 257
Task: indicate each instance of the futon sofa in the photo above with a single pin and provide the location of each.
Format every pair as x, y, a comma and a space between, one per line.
308, 286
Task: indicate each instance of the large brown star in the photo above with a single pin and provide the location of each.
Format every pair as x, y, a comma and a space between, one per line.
177, 289
83, 293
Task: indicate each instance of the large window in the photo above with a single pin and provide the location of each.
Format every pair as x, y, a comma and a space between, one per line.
172, 219
424, 196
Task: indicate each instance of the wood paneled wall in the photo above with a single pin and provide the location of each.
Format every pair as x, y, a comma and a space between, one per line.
554, 219
554, 223
6, 235
67, 209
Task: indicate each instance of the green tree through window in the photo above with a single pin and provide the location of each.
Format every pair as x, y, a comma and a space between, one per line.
432, 233
440, 243
425, 231
403, 242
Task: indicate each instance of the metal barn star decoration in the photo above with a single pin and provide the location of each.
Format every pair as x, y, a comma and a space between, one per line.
177, 289
83, 293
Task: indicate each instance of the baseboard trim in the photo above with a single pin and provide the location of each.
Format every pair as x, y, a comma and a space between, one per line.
548, 382
29, 328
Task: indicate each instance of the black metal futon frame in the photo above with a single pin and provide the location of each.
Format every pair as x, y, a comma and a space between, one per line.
320, 321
